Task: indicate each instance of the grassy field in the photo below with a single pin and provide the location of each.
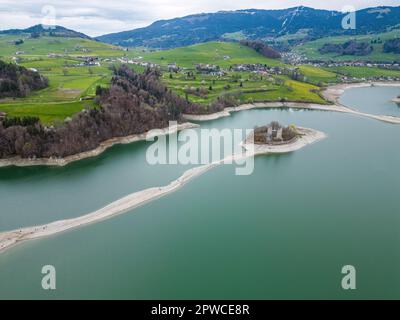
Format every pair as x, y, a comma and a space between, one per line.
318, 75
43, 46
364, 72
49, 113
246, 86
67, 82
223, 54
310, 49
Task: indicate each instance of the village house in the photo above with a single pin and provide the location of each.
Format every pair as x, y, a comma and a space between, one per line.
207, 68
89, 61
173, 67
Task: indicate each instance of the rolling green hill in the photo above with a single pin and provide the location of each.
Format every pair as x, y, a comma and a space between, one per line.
61, 60
246, 86
310, 49
223, 54
57, 59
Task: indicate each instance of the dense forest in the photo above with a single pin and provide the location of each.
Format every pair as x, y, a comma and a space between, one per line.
17, 81
134, 103
262, 48
392, 46
351, 48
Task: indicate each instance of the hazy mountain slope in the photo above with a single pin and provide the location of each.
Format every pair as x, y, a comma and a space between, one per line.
253, 24
56, 31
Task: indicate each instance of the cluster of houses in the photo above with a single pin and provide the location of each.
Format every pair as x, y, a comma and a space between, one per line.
257, 68
293, 58
173, 67
210, 69
89, 61
137, 61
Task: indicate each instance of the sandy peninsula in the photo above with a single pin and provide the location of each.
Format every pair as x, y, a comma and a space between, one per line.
60, 162
134, 200
331, 94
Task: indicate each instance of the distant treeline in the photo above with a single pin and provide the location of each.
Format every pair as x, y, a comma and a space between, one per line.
392, 46
351, 48
17, 81
134, 103
262, 48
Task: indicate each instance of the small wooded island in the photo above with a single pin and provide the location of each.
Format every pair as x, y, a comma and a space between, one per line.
397, 100
275, 134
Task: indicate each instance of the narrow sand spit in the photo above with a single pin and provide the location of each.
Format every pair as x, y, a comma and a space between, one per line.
12, 238
332, 94
60, 162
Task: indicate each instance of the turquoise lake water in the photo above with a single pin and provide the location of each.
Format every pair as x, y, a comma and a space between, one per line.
285, 231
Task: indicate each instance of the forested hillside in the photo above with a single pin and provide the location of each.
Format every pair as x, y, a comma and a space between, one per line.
17, 81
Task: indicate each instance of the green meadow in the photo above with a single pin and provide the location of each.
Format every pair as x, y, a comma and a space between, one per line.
364, 72
318, 75
223, 54
246, 87
310, 49
57, 59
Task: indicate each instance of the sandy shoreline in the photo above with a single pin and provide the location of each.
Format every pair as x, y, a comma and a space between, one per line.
331, 94
55, 162
132, 201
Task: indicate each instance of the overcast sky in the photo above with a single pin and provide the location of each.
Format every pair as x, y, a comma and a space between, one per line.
95, 17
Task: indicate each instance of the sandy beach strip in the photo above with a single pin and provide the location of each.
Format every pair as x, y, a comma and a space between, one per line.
396, 100
132, 201
291, 105
60, 162
332, 94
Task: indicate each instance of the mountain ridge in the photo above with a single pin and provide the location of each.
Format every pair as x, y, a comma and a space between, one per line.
253, 24
39, 29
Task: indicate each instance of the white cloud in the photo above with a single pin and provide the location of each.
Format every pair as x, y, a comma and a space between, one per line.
95, 17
